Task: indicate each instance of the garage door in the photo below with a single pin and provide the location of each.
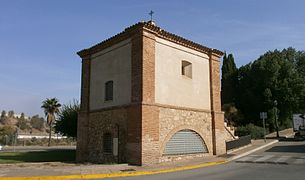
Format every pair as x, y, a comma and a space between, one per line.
185, 142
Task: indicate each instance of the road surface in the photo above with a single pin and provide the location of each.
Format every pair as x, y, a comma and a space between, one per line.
282, 161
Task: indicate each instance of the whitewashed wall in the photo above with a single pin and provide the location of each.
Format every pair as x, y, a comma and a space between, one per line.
113, 63
171, 87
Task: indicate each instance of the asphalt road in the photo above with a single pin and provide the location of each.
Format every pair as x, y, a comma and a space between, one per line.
283, 160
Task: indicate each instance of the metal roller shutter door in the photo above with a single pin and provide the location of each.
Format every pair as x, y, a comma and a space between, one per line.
185, 142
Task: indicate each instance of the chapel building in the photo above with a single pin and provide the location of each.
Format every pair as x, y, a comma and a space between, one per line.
149, 96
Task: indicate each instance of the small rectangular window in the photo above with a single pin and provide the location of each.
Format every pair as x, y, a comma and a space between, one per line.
186, 69
107, 143
109, 91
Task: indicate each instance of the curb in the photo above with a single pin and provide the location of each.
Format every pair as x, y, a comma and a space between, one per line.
252, 151
112, 175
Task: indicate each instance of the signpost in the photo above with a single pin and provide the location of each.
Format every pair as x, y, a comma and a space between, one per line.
263, 115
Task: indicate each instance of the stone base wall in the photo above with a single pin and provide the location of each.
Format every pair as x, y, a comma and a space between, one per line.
143, 131
182, 157
109, 121
220, 134
173, 120
123, 123
220, 142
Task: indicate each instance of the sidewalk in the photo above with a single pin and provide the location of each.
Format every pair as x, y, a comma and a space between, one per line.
254, 146
284, 133
60, 169
57, 169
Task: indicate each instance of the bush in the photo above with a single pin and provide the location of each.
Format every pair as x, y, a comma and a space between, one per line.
7, 134
250, 129
37, 122
66, 124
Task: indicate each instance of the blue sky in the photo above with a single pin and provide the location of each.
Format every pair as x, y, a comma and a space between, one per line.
39, 39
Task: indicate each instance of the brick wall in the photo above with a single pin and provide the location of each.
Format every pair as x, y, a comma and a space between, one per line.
136, 67
85, 83
83, 119
82, 137
150, 119
148, 66
134, 133
218, 136
150, 134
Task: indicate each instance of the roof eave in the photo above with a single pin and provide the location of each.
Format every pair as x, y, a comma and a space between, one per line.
147, 26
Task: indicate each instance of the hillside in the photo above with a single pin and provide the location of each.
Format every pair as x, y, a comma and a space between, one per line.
25, 125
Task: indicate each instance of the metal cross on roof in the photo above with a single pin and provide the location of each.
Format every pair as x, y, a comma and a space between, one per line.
151, 15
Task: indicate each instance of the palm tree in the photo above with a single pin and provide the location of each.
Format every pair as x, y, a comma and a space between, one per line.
51, 108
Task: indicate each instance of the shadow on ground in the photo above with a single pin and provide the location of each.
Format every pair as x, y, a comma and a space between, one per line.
288, 139
300, 148
288, 149
38, 156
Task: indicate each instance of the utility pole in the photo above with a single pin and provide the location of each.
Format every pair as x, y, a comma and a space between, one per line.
6, 139
276, 119
263, 115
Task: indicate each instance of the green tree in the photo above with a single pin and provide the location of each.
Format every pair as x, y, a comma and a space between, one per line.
11, 114
51, 109
37, 122
6, 134
276, 75
22, 124
66, 124
228, 89
22, 116
299, 61
3, 117
232, 115
228, 80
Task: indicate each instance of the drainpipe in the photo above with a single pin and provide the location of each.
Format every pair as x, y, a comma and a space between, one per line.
118, 135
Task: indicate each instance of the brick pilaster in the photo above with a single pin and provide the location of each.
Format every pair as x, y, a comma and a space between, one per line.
85, 83
150, 115
136, 68
143, 67
83, 116
134, 124
145, 122
217, 116
148, 68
